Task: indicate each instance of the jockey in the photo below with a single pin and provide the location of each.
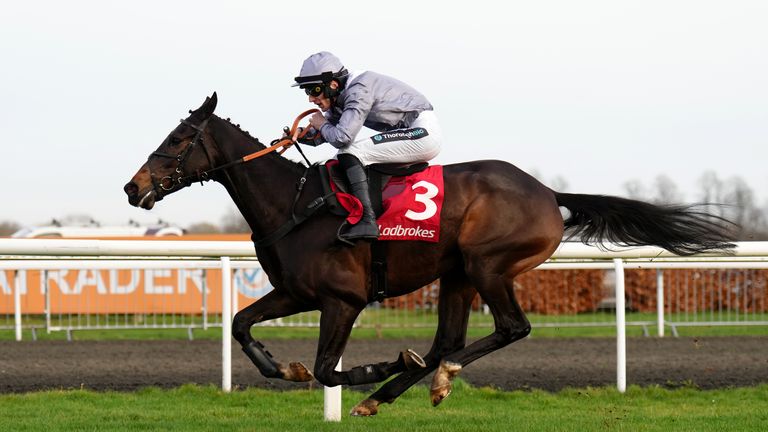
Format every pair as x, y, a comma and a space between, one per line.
409, 130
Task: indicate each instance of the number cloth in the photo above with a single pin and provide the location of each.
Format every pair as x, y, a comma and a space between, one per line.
412, 206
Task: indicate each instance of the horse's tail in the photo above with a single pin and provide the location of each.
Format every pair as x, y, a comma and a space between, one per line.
683, 230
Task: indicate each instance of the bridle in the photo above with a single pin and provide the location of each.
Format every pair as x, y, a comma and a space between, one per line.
169, 182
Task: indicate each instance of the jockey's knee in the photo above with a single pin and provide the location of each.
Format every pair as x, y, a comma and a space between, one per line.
348, 160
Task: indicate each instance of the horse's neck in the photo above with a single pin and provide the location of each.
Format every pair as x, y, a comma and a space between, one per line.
263, 189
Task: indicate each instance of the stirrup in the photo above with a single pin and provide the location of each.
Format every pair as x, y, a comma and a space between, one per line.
342, 239
347, 233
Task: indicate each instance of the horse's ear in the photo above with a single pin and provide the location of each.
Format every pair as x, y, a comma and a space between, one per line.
213, 100
209, 105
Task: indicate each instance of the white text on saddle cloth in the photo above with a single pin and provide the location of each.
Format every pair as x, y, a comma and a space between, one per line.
411, 206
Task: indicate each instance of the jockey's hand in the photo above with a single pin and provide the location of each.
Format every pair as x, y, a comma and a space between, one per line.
317, 121
287, 130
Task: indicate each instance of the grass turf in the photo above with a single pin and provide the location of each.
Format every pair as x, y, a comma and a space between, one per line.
193, 408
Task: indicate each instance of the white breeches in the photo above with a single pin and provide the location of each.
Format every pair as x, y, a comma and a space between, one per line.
419, 143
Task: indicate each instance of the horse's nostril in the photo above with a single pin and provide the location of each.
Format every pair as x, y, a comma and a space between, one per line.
131, 189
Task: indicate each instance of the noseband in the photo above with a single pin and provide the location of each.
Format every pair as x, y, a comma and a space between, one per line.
169, 182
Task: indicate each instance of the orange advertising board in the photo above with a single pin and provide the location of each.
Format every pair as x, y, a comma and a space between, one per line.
127, 291
137, 291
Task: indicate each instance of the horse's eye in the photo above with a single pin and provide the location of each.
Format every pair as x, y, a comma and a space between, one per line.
175, 140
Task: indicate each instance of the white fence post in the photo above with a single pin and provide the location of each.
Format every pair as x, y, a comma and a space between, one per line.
47, 288
660, 301
621, 329
226, 324
205, 299
332, 401
17, 303
235, 302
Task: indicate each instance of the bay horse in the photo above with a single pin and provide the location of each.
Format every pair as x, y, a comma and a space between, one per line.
497, 222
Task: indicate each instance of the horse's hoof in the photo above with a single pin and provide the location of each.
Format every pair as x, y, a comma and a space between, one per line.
441, 382
440, 393
296, 371
366, 408
412, 360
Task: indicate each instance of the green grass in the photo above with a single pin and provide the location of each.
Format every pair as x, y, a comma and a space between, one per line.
193, 408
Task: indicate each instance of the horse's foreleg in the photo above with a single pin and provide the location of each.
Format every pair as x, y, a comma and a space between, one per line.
336, 323
454, 305
273, 305
336, 320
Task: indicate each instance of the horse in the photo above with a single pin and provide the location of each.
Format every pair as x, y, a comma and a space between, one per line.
496, 223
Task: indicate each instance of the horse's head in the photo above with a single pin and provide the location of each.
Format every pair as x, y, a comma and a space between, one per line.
182, 158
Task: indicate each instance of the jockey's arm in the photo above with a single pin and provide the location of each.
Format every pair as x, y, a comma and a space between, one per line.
356, 109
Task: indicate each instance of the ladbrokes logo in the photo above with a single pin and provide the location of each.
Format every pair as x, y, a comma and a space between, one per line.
399, 231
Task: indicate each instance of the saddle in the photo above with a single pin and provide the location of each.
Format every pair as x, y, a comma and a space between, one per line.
334, 180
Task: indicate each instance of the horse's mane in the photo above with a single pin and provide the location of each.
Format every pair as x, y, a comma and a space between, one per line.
284, 162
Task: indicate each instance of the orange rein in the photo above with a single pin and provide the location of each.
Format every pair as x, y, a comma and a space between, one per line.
286, 142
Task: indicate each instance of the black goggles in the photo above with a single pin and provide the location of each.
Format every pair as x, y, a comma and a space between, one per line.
314, 90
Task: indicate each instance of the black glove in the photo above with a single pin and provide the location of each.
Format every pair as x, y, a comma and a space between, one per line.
310, 138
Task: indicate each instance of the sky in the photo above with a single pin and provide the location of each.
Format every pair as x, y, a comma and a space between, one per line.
597, 93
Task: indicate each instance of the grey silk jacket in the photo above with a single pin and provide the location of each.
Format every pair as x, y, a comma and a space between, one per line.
372, 100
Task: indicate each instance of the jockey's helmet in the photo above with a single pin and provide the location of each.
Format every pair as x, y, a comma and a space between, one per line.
320, 68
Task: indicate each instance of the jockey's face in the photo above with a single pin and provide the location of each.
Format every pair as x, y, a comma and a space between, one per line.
322, 101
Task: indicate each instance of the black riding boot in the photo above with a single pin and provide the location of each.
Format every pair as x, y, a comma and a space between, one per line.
367, 227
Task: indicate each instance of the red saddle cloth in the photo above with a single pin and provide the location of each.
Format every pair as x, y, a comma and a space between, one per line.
411, 206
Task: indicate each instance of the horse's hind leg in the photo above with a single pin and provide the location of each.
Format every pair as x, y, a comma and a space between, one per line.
510, 325
454, 305
273, 305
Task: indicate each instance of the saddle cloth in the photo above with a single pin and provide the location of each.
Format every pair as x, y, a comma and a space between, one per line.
410, 205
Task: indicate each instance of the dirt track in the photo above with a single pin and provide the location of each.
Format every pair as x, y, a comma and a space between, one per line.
549, 364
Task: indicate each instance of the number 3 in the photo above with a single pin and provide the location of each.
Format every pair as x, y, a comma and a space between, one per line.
426, 199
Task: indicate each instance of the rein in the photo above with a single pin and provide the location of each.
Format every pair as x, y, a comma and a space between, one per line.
286, 143
167, 183
293, 136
